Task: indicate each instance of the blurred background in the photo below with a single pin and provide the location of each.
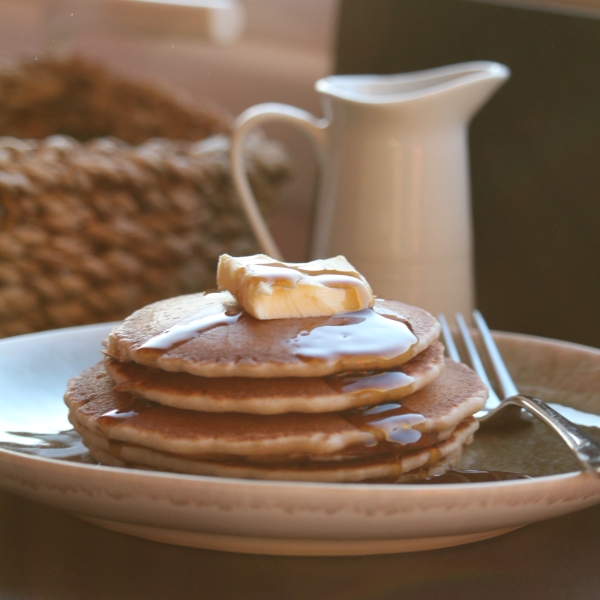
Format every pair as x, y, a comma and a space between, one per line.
236, 53
535, 148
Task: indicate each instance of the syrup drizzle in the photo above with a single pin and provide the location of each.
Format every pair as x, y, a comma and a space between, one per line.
277, 274
362, 332
347, 282
113, 417
189, 329
368, 384
388, 423
306, 269
288, 276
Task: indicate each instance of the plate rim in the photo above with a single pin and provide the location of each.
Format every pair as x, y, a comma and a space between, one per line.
284, 510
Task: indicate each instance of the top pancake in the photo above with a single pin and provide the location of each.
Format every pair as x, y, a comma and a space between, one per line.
209, 335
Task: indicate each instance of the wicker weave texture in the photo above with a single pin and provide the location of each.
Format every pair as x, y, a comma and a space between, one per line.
91, 231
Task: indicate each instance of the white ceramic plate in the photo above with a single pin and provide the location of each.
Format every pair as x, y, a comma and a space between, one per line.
271, 517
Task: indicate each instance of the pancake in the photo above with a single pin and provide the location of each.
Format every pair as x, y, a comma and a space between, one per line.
277, 395
420, 419
196, 385
411, 466
104, 456
209, 335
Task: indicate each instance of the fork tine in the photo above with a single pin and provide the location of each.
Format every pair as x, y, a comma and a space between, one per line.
474, 355
502, 375
585, 448
448, 339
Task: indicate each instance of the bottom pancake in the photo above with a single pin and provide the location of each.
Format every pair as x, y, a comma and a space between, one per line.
416, 476
410, 466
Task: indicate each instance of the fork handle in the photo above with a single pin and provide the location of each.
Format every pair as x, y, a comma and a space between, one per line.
583, 445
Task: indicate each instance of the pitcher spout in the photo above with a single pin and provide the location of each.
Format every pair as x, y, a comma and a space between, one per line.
464, 87
472, 85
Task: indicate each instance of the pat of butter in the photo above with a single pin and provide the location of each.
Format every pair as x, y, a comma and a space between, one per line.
269, 289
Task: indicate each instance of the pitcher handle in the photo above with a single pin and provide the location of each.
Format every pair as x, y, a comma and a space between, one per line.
250, 118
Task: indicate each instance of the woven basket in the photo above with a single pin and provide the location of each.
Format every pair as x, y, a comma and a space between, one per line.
92, 230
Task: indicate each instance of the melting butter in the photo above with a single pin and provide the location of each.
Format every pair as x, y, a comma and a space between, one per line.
268, 289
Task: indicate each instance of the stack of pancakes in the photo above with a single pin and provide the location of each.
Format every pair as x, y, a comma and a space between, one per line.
194, 384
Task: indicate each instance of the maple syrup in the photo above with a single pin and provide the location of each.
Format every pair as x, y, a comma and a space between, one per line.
364, 332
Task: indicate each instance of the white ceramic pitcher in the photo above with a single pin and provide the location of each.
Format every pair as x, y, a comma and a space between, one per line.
394, 194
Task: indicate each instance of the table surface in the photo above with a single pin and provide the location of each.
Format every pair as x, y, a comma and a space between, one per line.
47, 554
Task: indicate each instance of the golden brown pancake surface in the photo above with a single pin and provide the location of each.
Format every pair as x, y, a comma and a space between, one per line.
209, 335
194, 384
416, 420
277, 395
413, 465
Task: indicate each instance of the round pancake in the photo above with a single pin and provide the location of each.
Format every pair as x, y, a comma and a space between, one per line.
208, 334
277, 395
412, 466
420, 419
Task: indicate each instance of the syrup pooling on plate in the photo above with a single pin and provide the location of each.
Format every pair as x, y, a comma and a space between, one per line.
473, 476
363, 332
63, 445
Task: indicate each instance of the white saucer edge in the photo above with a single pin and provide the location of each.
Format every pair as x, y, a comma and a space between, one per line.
292, 546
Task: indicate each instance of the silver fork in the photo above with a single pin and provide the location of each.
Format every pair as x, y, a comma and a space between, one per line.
584, 447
